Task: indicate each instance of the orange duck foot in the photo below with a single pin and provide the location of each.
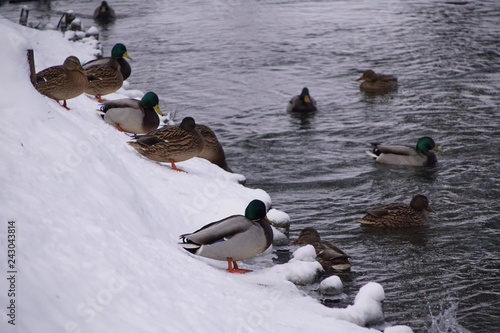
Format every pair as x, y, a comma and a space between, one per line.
99, 99
118, 127
63, 104
232, 267
174, 167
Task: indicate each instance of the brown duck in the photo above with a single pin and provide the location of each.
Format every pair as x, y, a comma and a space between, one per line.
396, 215
331, 258
377, 83
62, 82
172, 143
212, 149
110, 78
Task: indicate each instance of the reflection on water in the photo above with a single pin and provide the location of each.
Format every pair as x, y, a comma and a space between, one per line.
234, 65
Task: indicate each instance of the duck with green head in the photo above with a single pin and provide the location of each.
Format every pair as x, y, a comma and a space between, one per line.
234, 238
302, 103
119, 51
171, 143
421, 155
397, 214
62, 82
133, 116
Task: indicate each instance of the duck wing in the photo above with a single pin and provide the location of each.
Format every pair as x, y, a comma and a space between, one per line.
396, 149
386, 209
219, 230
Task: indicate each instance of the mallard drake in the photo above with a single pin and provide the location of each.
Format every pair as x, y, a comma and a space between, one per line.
171, 143
377, 83
131, 115
104, 13
119, 51
399, 214
421, 155
212, 149
331, 258
62, 82
234, 238
302, 103
110, 78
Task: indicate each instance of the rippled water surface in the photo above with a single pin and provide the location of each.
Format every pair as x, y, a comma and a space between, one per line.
234, 65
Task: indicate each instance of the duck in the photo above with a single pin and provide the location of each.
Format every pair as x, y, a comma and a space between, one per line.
62, 82
233, 238
171, 143
302, 103
397, 214
119, 51
331, 258
110, 78
212, 149
133, 116
421, 155
104, 13
377, 83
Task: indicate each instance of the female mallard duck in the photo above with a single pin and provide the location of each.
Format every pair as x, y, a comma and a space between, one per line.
377, 83
302, 103
331, 258
212, 149
234, 238
110, 78
119, 51
399, 214
104, 13
62, 82
171, 143
131, 115
421, 155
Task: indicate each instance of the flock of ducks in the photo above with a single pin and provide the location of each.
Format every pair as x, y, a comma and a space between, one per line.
236, 237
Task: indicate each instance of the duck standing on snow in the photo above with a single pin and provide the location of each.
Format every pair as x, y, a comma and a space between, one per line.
104, 13
331, 258
133, 116
302, 103
110, 78
234, 238
398, 214
421, 155
377, 83
212, 149
119, 51
62, 82
171, 143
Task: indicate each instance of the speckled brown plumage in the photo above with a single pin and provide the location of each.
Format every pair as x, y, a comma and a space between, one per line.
331, 258
377, 83
62, 82
397, 215
212, 149
110, 79
173, 143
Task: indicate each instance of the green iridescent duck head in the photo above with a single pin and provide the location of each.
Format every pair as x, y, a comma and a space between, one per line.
256, 210
119, 51
151, 100
425, 145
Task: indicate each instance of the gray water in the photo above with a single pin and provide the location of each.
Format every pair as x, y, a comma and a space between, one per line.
235, 64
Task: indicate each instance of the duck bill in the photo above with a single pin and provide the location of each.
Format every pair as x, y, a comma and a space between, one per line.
127, 56
307, 99
293, 243
81, 70
157, 109
361, 78
438, 149
429, 209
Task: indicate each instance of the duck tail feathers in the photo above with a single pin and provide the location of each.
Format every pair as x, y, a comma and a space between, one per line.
371, 153
189, 245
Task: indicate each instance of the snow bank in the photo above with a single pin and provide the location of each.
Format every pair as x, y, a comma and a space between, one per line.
97, 225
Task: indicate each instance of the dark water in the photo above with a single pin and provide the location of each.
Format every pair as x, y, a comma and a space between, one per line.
234, 65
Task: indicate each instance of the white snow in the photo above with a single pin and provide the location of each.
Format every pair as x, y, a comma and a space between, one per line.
331, 284
97, 225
